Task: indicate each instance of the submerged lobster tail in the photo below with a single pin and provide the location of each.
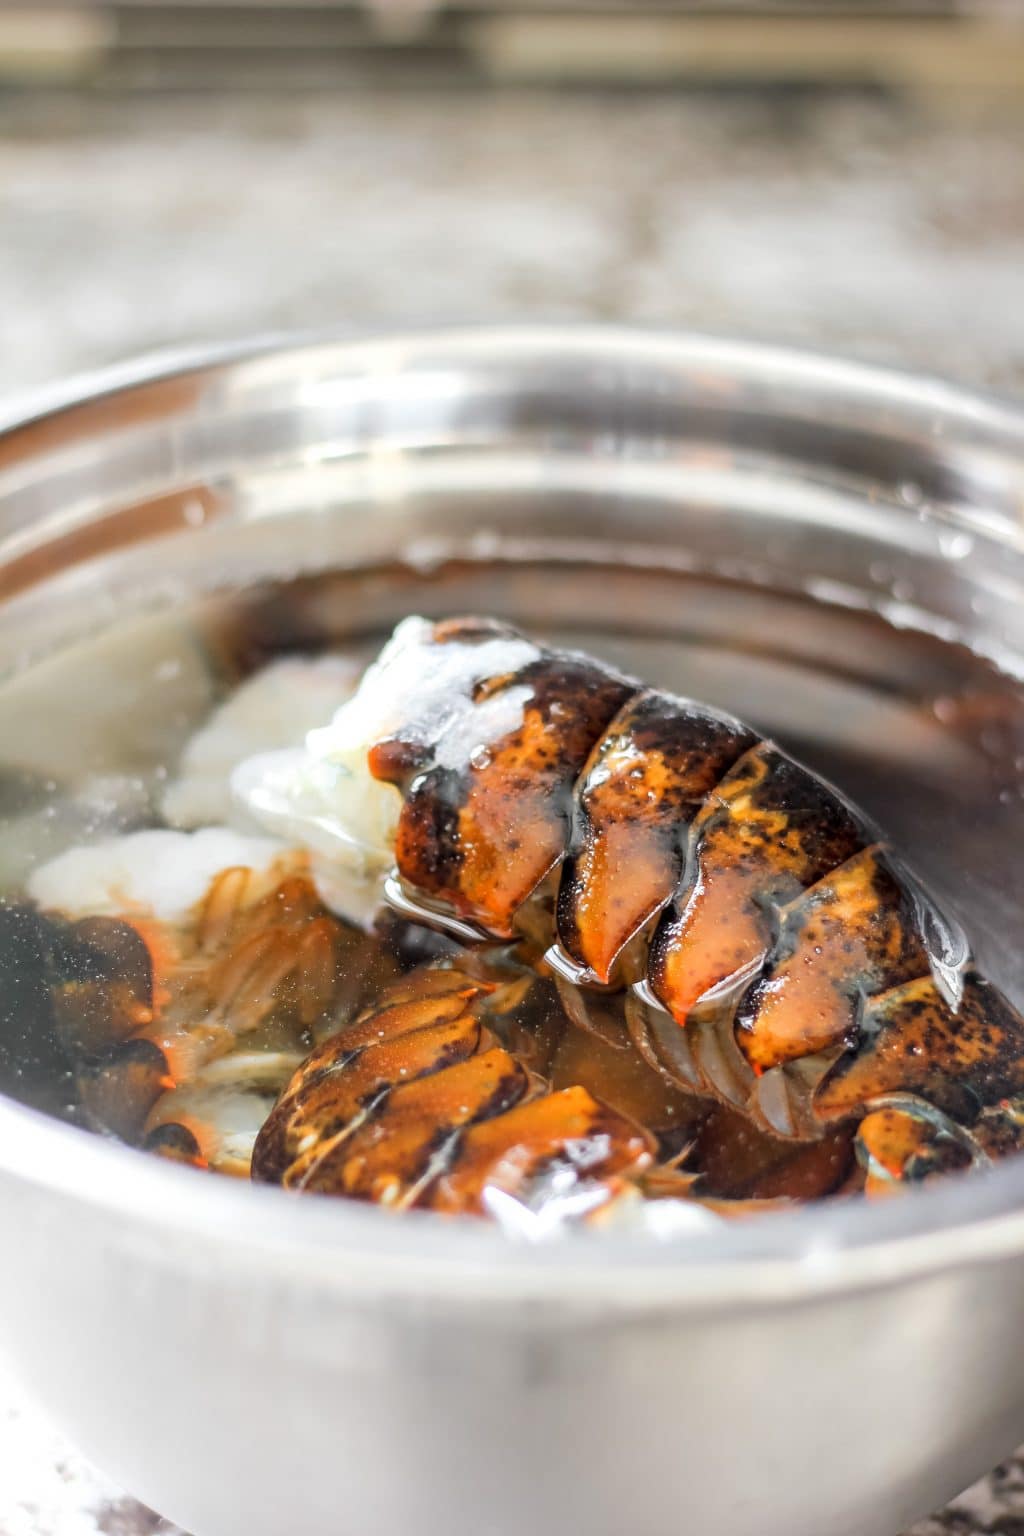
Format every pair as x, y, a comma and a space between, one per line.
780, 957
416, 1103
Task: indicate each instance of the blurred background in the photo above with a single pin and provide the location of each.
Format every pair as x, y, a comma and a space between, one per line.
845, 176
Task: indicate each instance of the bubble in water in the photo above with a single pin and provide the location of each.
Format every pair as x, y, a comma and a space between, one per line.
955, 545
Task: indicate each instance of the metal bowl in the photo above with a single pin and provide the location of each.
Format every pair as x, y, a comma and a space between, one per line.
249, 1363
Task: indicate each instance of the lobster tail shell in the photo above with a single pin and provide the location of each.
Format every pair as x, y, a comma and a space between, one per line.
779, 949
487, 814
645, 781
766, 831
415, 1103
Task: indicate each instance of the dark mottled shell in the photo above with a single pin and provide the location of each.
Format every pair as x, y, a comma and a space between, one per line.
415, 1103
957, 1059
646, 780
850, 935
785, 962
767, 831
118, 1092
480, 831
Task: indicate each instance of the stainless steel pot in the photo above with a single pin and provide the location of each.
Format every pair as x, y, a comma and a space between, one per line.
249, 1363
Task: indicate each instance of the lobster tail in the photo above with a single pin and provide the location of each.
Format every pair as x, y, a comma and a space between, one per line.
771, 935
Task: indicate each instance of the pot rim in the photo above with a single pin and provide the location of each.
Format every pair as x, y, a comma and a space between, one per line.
767, 1260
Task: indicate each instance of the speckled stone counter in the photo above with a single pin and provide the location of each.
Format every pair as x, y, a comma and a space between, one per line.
854, 224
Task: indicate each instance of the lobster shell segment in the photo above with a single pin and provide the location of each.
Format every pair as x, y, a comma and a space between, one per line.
488, 816
912, 1041
907, 1140
392, 1153
766, 831
852, 934
435, 1114
646, 779
567, 1131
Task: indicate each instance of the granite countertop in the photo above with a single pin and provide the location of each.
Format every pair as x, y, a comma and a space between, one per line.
849, 223
884, 230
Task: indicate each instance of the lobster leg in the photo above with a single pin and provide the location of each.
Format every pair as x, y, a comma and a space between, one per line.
182, 1034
